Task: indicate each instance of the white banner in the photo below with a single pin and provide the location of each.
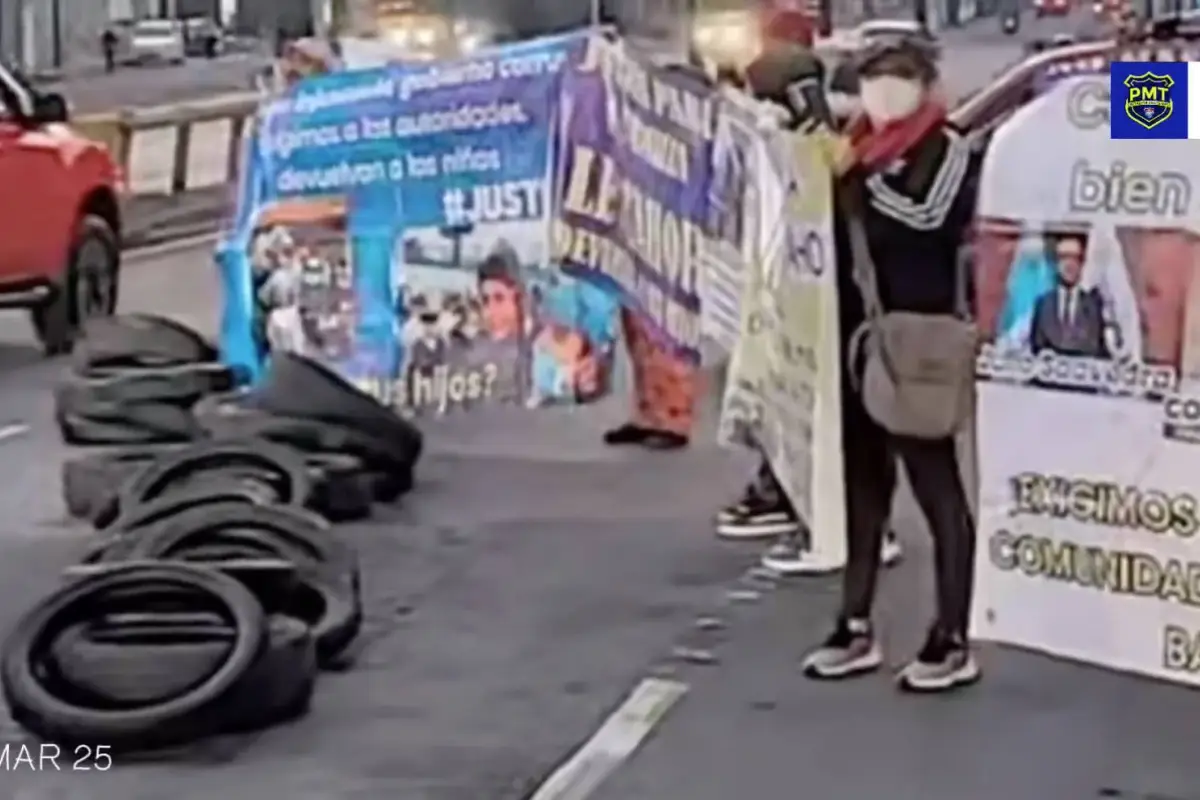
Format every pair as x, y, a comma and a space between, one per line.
783, 387
1088, 455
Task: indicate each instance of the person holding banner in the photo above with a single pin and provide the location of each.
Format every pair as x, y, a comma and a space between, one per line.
776, 79
907, 185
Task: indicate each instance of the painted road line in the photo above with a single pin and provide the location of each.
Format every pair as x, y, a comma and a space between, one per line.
12, 431
161, 249
617, 738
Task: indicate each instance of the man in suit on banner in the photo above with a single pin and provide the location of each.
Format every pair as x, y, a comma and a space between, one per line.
1070, 320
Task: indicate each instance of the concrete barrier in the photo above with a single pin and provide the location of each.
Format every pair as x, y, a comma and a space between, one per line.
178, 160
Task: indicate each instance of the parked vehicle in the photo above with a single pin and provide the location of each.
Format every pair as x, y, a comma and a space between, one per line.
158, 41
1052, 8
60, 219
203, 37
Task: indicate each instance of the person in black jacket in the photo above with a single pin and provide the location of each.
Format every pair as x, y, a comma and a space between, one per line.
910, 183
779, 78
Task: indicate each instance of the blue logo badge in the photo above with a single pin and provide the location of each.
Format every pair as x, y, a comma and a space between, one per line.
1149, 100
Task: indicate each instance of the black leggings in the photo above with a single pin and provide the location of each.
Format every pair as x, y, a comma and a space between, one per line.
869, 456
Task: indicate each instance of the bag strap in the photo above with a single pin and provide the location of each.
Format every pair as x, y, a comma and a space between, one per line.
862, 267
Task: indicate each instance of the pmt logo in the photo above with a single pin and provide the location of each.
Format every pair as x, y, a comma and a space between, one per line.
1148, 101
1181, 419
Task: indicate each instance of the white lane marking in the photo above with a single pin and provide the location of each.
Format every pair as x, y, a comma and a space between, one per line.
12, 431
613, 742
173, 246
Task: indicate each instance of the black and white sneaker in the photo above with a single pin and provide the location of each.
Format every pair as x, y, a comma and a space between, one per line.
944, 663
756, 517
850, 650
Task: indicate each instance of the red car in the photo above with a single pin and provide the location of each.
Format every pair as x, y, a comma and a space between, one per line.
60, 219
1052, 8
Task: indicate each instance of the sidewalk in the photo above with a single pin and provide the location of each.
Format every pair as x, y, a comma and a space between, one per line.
1034, 729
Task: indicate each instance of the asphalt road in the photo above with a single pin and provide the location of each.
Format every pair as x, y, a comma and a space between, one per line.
511, 601
158, 85
531, 580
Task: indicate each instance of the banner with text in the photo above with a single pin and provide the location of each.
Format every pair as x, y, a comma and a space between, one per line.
733, 225
634, 186
1089, 390
399, 227
783, 391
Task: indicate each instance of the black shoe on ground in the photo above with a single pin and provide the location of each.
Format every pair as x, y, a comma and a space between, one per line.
664, 440
944, 663
649, 438
627, 434
756, 517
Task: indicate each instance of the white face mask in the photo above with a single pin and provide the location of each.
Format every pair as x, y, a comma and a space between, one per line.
888, 98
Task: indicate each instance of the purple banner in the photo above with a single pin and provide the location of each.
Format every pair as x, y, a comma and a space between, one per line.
634, 177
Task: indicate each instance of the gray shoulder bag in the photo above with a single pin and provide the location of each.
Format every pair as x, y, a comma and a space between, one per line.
918, 374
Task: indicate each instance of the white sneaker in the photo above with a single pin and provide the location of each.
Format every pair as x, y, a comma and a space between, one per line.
892, 551
787, 557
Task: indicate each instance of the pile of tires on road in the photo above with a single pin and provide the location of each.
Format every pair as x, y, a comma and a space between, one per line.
216, 587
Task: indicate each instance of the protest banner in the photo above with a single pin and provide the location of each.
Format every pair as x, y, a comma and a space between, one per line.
633, 205
440, 173
635, 171
783, 392
1088, 438
734, 208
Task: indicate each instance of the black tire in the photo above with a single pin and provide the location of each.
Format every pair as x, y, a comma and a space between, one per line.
288, 533
91, 482
342, 489
273, 466
124, 665
189, 716
235, 416
141, 340
181, 385
300, 387
217, 491
148, 660
279, 687
330, 597
95, 257
141, 424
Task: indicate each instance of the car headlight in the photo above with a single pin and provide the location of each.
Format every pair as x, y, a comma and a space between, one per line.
425, 36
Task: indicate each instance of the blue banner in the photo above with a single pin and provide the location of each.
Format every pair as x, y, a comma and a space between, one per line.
393, 222
634, 186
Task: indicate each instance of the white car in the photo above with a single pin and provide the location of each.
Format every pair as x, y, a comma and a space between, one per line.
158, 41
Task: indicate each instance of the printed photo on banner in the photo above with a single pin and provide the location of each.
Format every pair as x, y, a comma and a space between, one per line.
1085, 308
634, 187
482, 318
302, 279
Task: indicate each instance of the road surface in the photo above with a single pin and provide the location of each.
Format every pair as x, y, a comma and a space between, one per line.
532, 580
157, 85
511, 601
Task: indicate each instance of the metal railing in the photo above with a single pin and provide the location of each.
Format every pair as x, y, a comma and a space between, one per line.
176, 148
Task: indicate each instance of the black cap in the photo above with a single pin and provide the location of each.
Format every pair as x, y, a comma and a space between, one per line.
778, 67
920, 51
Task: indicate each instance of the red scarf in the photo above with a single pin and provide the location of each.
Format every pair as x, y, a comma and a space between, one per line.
875, 148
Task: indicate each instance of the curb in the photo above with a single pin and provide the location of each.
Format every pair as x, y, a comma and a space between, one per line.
171, 232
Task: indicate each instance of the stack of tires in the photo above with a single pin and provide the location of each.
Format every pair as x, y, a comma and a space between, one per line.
216, 587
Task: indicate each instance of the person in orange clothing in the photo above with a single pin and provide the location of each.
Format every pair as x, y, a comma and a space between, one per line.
664, 388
